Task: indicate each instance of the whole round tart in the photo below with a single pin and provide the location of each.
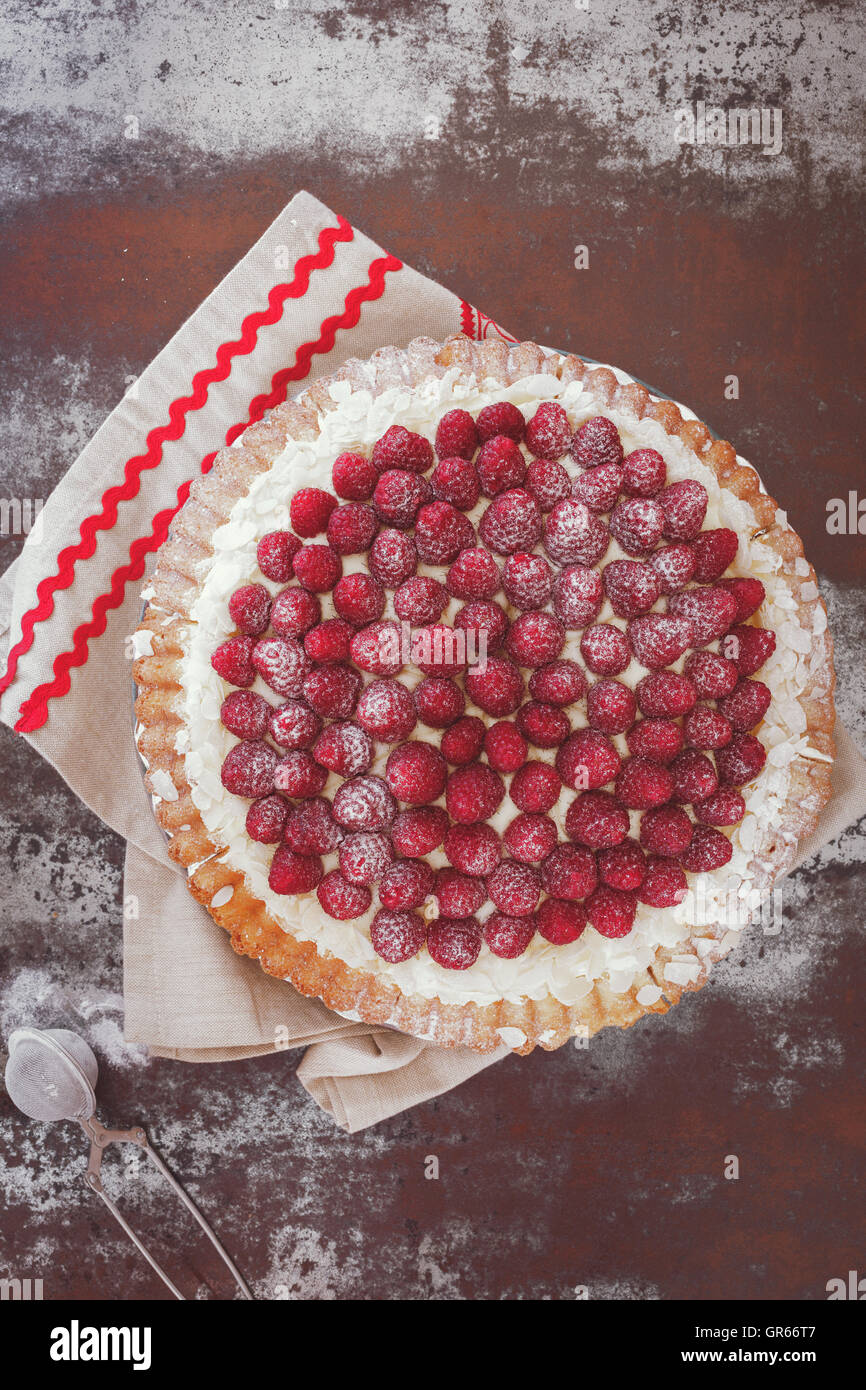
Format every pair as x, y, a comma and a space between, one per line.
484, 695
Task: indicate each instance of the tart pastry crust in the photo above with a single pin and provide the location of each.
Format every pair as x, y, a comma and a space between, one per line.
224, 891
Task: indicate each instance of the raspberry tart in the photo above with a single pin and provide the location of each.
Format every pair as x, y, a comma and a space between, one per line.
484, 695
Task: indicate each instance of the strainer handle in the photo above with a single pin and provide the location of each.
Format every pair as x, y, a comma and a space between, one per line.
100, 1138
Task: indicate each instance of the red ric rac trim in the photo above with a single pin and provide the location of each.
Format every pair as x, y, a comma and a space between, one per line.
34, 711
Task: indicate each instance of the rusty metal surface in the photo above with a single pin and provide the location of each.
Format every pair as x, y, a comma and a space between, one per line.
483, 144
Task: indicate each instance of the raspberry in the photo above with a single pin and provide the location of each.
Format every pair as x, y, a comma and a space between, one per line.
359, 598
318, 568
659, 739
505, 746
473, 793
527, 580
456, 435
354, 477
711, 612
664, 885
548, 483
441, 532
500, 418
329, 641
249, 609
548, 434
282, 664
713, 676
749, 647
248, 769
577, 595
605, 649
611, 912
400, 448
266, 819
294, 873
666, 831
658, 640
293, 725
246, 714
512, 522
694, 776
474, 574
560, 922
454, 942
351, 528
515, 888
275, 553
312, 829
631, 586
587, 760
232, 661
396, 936
664, 695
344, 748
508, 937
294, 612
713, 552
473, 849
644, 472
674, 566
535, 639
496, 689
569, 873
623, 866
393, 558
416, 773
558, 683
398, 496
599, 487
457, 894
482, 620
387, 711
749, 594
376, 648
535, 787
597, 442
642, 784
310, 509
298, 775
709, 850
332, 690
364, 803
420, 600
407, 883
530, 838
420, 831
463, 742
637, 524
455, 480
439, 650
741, 761
685, 506
573, 535
500, 465
706, 728
725, 807
341, 899
610, 707
365, 856
597, 820
543, 725
439, 701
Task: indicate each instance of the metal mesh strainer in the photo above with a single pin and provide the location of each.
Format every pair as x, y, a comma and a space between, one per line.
51, 1075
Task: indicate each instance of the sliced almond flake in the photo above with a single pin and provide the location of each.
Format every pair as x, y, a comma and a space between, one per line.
681, 974
648, 995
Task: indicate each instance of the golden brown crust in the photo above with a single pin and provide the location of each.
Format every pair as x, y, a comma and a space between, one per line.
546, 1023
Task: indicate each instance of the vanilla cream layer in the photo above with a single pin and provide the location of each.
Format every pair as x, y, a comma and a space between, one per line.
566, 972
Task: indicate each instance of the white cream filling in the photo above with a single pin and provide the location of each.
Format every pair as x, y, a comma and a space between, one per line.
566, 972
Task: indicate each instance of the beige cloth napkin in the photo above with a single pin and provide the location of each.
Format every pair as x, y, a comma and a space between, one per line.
187, 995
